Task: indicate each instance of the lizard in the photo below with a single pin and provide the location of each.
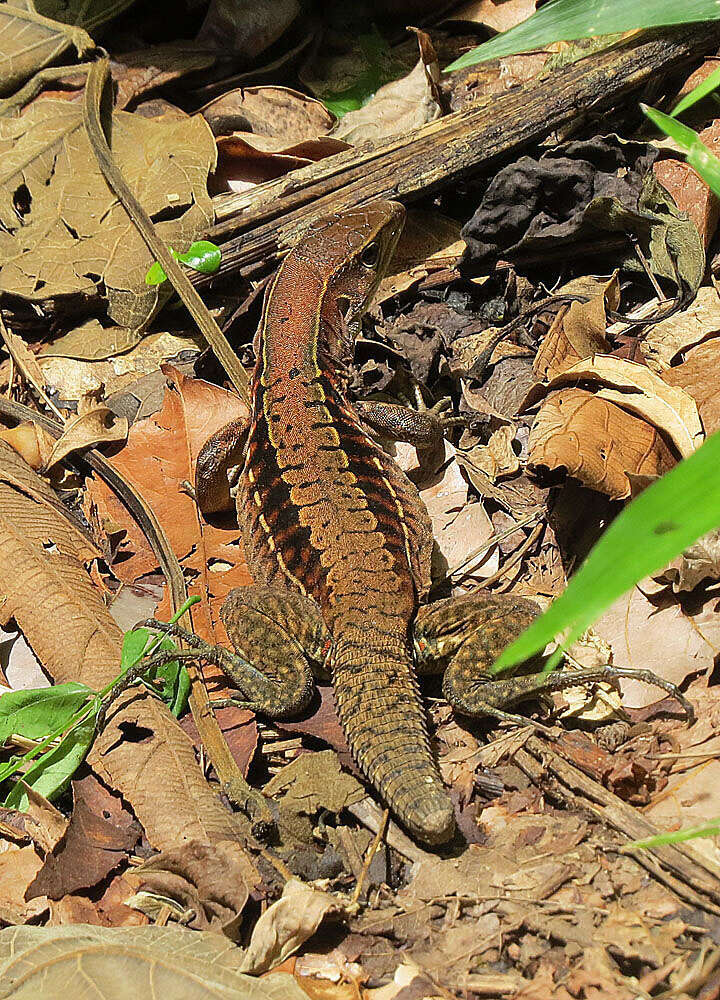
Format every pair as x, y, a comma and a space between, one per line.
339, 541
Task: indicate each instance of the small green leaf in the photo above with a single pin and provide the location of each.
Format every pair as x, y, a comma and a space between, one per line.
155, 274
653, 529
697, 153
36, 712
202, 256
51, 773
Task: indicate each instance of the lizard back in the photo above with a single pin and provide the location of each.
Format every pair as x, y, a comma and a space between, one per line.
326, 512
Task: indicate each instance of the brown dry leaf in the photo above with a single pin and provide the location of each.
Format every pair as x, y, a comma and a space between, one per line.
246, 160
307, 785
94, 843
639, 390
699, 322
31, 41
18, 867
690, 193
496, 458
136, 961
72, 235
286, 925
698, 563
500, 15
429, 242
136, 73
273, 112
462, 531
657, 635
30, 441
43, 822
73, 370
210, 882
246, 30
697, 376
397, 107
96, 424
108, 910
160, 454
577, 334
596, 442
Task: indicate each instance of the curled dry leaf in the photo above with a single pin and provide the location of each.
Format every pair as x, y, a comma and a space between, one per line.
699, 322
698, 563
397, 107
72, 235
136, 73
272, 112
286, 925
640, 391
496, 458
577, 333
97, 425
596, 442
698, 377
209, 881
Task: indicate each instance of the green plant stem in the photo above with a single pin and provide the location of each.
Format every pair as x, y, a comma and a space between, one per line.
93, 705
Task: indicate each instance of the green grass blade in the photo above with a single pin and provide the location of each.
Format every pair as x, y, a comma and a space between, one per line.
666, 518
711, 829
566, 20
697, 153
704, 88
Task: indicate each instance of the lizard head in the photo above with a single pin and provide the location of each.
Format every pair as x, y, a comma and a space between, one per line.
355, 250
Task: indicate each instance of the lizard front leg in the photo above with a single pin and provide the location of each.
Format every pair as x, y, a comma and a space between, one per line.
422, 428
469, 633
280, 642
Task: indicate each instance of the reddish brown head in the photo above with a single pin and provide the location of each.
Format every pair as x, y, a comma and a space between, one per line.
334, 272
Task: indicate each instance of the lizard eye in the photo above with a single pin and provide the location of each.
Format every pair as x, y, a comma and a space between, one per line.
370, 255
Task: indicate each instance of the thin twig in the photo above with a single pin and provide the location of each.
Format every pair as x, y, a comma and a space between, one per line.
369, 857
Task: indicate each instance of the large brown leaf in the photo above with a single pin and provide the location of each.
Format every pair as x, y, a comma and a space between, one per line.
70, 234
160, 455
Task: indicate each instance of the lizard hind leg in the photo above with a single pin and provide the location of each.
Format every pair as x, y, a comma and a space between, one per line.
280, 642
469, 633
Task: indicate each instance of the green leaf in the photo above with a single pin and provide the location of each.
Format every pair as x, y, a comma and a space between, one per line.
155, 274
202, 255
666, 518
697, 153
35, 713
704, 88
565, 20
176, 682
51, 773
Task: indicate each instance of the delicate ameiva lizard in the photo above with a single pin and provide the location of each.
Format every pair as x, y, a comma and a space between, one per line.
339, 540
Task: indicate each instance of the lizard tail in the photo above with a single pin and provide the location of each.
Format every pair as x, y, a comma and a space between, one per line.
381, 712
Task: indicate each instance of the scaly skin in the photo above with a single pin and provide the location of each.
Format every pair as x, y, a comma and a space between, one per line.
326, 513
